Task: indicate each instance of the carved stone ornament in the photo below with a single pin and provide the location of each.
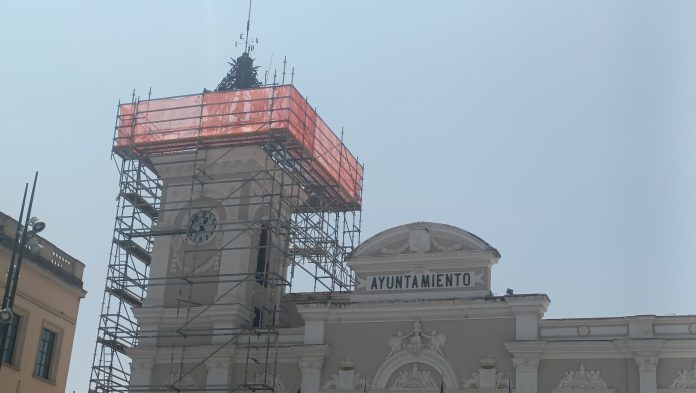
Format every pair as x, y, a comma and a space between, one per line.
269, 380
582, 379
412, 357
526, 364
414, 379
420, 241
416, 341
685, 379
346, 378
487, 377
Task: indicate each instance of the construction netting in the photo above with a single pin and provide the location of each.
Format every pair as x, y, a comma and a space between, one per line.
173, 124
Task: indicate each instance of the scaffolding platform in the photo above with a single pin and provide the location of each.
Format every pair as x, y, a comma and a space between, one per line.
242, 117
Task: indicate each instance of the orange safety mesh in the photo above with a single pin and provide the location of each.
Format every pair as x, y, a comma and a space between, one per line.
237, 117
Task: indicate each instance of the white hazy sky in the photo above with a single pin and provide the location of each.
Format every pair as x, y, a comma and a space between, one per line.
562, 133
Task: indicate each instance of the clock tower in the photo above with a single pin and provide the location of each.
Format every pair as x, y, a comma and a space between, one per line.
229, 199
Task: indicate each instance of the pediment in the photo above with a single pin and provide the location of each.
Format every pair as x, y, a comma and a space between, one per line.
421, 238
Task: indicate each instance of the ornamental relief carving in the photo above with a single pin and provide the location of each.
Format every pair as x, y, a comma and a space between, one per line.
268, 380
685, 379
346, 378
582, 379
415, 360
416, 341
415, 377
487, 377
420, 241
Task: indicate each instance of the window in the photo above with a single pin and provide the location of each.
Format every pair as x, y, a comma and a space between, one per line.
261, 255
258, 317
8, 356
45, 355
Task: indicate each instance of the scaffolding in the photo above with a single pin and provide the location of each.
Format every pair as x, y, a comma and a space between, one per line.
303, 201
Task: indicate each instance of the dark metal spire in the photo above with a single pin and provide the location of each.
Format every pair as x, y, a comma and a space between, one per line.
243, 74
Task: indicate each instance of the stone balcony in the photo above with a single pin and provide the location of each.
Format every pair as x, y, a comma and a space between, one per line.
49, 256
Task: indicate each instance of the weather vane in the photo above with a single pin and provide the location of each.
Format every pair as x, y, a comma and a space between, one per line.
243, 74
244, 37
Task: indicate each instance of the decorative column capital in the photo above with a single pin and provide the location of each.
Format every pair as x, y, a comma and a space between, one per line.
647, 363
310, 366
526, 354
311, 361
526, 364
311, 357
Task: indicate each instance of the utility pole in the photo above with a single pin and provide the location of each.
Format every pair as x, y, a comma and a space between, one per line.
22, 235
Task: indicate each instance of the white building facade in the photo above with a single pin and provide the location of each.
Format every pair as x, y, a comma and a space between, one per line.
423, 315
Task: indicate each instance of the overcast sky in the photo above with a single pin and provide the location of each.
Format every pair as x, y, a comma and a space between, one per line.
562, 133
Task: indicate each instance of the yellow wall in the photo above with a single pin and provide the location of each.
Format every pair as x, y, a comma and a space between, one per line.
44, 300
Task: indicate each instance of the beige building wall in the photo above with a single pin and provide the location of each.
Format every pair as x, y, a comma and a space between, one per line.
398, 338
48, 296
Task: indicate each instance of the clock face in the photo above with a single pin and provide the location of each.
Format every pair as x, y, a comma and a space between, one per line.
201, 227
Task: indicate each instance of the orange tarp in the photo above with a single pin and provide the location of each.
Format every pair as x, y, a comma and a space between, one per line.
236, 117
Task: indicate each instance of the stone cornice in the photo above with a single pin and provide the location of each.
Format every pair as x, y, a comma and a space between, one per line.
603, 349
526, 349
311, 357
648, 347
436, 309
316, 351
314, 312
528, 305
230, 314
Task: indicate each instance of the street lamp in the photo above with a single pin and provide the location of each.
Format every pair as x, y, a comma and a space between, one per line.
25, 233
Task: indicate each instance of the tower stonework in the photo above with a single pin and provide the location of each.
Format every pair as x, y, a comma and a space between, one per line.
228, 201
228, 292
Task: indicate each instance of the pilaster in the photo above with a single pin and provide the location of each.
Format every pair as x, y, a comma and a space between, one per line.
526, 357
527, 312
646, 354
647, 366
314, 316
311, 361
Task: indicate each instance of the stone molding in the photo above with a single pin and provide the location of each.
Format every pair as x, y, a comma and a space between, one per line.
406, 262
166, 317
615, 349
527, 352
445, 308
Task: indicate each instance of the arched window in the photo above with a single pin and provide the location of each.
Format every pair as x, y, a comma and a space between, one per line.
261, 255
